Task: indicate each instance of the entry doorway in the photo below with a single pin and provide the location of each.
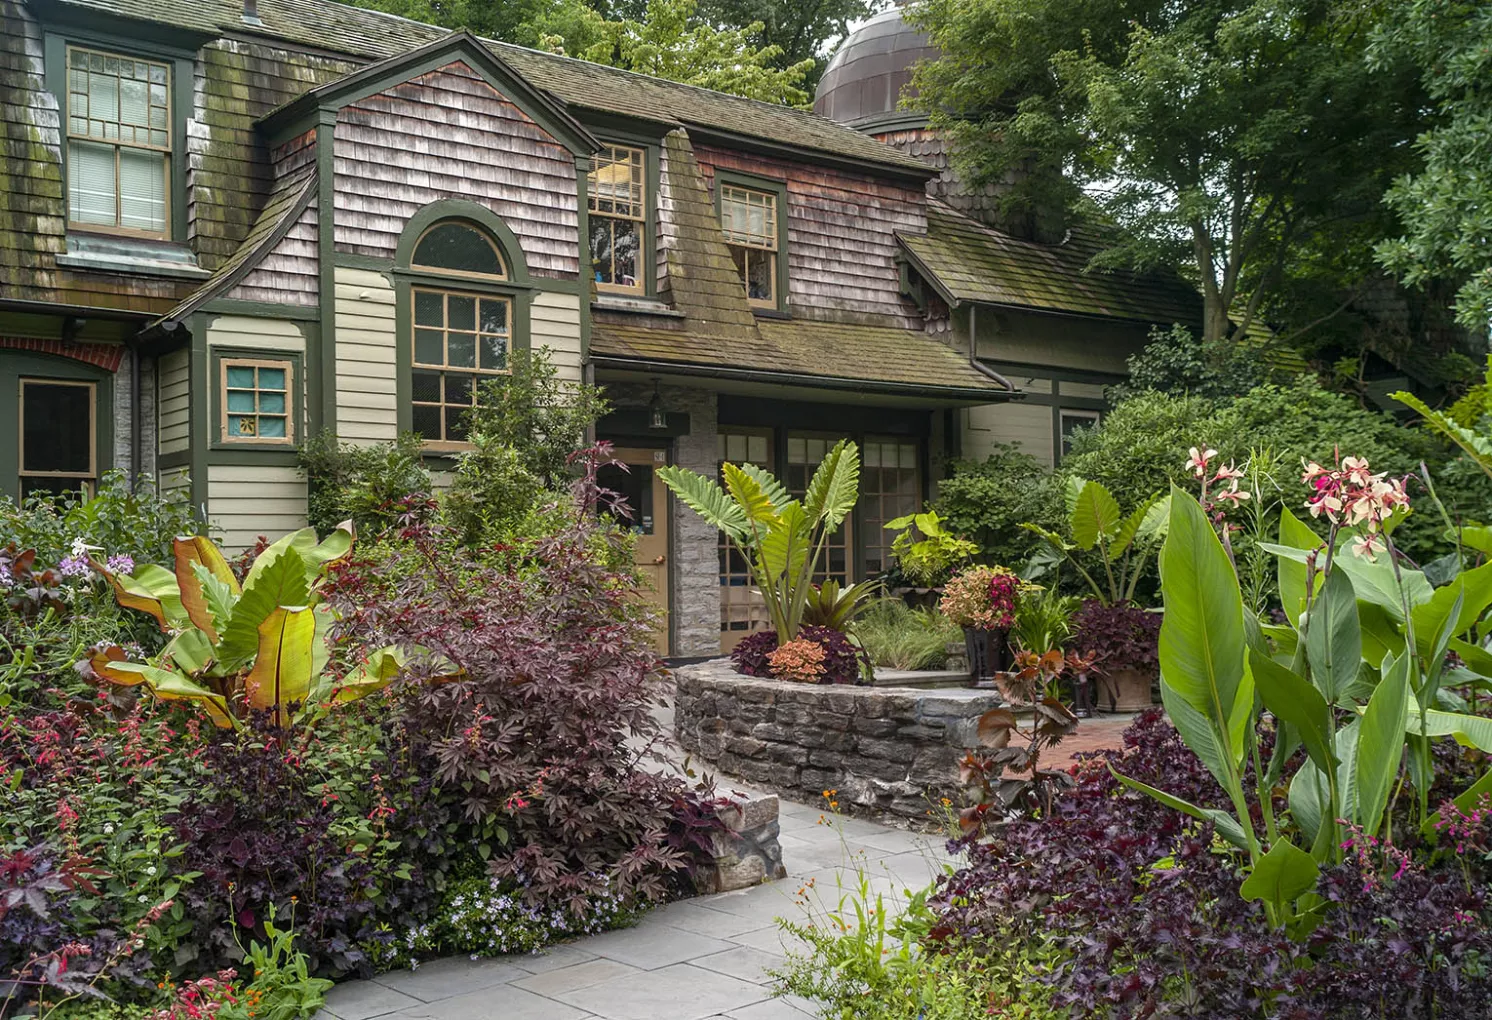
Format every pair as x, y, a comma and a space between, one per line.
645, 497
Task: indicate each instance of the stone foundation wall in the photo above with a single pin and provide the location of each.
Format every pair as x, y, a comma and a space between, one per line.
885, 750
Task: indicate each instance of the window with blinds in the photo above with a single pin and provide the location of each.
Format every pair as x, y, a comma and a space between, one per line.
749, 221
617, 197
118, 142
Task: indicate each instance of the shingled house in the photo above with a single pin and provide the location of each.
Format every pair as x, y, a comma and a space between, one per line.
226, 226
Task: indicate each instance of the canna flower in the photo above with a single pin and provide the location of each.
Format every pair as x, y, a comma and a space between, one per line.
1233, 494
1196, 462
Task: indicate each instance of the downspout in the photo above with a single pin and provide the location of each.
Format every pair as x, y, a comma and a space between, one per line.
978, 365
133, 345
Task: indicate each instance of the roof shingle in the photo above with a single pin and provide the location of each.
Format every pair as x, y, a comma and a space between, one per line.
968, 261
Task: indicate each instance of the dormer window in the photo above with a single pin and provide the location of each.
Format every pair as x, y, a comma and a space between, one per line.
618, 189
751, 220
118, 143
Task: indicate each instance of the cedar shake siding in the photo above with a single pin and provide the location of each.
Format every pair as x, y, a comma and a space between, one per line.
449, 134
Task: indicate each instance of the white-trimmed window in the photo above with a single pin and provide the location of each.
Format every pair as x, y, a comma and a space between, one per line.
118, 143
617, 214
257, 403
1070, 421
59, 437
748, 218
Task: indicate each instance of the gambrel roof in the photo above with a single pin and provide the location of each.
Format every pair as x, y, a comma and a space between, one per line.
373, 35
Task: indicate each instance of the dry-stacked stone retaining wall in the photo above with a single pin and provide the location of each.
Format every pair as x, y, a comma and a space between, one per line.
885, 750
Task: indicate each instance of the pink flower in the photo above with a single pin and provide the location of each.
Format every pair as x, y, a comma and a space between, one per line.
1196, 462
1368, 545
1233, 494
1227, 472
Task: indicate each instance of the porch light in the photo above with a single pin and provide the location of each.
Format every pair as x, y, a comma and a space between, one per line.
657, 417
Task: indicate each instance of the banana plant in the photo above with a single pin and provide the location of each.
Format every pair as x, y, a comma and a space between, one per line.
781, 538
1123, 542
234, 649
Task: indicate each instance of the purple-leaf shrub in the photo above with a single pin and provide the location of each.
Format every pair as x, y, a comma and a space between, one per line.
752, 653
538, 740
1118, 637
1142, 911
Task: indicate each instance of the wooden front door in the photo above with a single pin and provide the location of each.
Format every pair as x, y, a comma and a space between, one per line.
646, 498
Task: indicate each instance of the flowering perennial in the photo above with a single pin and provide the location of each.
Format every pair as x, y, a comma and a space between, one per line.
1351, 495
984, 598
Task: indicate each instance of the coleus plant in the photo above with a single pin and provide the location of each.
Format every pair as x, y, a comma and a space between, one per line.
236, 649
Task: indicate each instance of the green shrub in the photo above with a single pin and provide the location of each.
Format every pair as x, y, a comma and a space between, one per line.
1141, 447
987, 501
116, 521
897, 636
1176, 362
869, 956
361, 483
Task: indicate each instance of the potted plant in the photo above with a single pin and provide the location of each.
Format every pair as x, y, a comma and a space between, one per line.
983, 601
1122, 641
926, 554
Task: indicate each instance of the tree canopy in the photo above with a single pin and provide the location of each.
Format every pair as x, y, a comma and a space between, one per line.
1446, 207
801, 29
666, 38
1245, 143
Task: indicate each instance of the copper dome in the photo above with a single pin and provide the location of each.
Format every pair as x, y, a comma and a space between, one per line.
862, 85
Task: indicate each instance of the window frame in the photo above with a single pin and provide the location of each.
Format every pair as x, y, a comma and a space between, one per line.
518, 287
180, 62
778, 189
479, 375
224, 361
1089, 416
89, 479
646, 284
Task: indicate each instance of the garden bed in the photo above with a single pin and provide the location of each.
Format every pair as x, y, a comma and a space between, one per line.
884, 750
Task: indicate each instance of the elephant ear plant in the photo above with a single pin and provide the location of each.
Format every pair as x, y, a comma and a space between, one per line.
1096, 524
1354, 677
235, 649
781, 538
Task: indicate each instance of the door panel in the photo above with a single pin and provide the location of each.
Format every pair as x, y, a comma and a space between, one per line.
646, 500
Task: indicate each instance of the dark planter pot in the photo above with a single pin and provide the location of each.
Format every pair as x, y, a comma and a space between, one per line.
919, 598
988, 654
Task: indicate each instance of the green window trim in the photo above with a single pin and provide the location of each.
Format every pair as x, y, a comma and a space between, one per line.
518, 288
218, 410
180, 63
18, 365
778, 189
648, 250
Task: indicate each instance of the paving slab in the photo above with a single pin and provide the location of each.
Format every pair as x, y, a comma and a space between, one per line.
742, 962
502, 1002
786, 1008
582, 975
679, 992
360, 1000
652, 945
441, 979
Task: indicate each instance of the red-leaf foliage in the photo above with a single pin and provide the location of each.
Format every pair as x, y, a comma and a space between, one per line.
541, 742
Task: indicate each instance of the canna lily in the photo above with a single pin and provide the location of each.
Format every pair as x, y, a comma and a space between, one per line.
1196, 462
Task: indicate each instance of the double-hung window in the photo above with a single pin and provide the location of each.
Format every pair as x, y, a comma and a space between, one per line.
118, 142
748, 217
462, 337
617, 210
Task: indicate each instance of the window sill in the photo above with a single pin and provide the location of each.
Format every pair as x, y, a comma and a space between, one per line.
638, 306
770, 313
107, 254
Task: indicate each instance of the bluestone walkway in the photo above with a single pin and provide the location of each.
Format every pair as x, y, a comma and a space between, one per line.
706, 957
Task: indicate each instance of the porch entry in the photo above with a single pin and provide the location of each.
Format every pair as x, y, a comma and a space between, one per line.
646, 500
890, 486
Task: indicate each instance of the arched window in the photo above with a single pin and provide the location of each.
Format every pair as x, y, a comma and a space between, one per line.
460, 336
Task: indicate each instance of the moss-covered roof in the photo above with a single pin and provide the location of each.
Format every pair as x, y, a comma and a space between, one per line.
969, 262
291, 195
845, 355
373, 35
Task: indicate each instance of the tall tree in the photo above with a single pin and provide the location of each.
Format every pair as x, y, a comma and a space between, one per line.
1228, 139
663, 38
802, 29
671, 42
1446, 207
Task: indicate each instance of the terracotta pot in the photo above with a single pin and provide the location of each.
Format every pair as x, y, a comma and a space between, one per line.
987, 653
1125, 690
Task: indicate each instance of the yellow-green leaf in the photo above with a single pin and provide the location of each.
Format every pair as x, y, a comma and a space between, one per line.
282, 670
